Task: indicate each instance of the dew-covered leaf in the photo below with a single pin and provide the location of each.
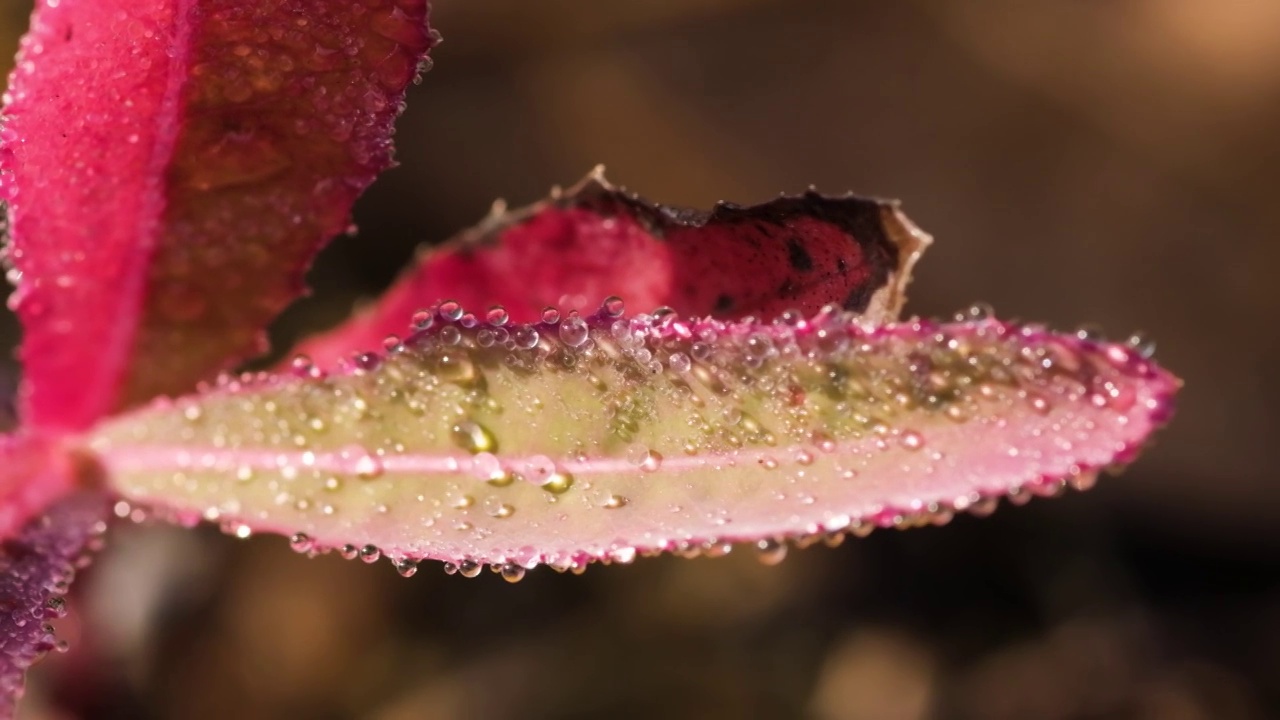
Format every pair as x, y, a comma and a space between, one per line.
606, 436
171, 167
36, 470
36, 567
595, 240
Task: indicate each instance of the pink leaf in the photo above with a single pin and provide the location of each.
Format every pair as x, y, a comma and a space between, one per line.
602, 437
171, 167
36, 470
36, 568
577, 248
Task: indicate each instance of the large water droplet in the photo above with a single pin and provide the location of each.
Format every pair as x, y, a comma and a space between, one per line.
573, 331
474, 437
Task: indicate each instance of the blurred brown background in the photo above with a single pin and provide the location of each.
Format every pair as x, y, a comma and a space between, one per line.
1112, 162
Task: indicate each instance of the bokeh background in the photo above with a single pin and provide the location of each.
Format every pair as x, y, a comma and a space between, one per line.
1111, 162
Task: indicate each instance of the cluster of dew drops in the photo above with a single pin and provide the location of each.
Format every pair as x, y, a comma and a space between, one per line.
495, 329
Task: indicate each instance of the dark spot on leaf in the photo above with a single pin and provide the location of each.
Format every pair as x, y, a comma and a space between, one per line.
798, 256
858, 298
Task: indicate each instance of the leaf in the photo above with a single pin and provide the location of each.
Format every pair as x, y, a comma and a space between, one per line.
577, 248
602, 437
36, 569
171, 167
36, 470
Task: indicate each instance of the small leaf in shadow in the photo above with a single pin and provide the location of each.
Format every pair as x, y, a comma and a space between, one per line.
596, 240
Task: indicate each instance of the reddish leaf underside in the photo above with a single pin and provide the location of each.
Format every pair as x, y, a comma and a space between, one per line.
579, 247
602, 437
36, 568
172, 166
35, 470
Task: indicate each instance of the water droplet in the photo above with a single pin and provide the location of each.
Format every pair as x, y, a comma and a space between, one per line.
370, 554
450, 310
494, 507
367, 467
976, 312
573, 331
613, 502
469, 568
407, 567
679, 362
474, 437
912, 440
525, 337
771, 551
613, 306
550, 315
300, 542
1141, 344
449, 335
511, 572
558, 482
423, 320
497, 316
651, 462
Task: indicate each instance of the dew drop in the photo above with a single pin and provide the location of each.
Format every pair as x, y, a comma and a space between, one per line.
976, 312
450, 310
370, 554
423, 320
912, 440
474, 437
771, 551
558, 482
550, 315
573, 331
497, 316
525, 337
613, 306
494, 507
1141, 344
450, 335
348, 552
469, 568
300, 542
511, 572
367, 467
406, 567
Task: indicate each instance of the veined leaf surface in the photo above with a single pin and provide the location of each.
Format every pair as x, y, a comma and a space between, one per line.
170, 168
602, 437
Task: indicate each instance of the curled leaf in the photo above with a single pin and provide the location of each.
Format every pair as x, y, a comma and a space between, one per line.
170, 169
595, 240
579, 439
36, 569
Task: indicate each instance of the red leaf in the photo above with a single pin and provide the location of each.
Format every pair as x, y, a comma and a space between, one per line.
577, 248
36, 470
171, 167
